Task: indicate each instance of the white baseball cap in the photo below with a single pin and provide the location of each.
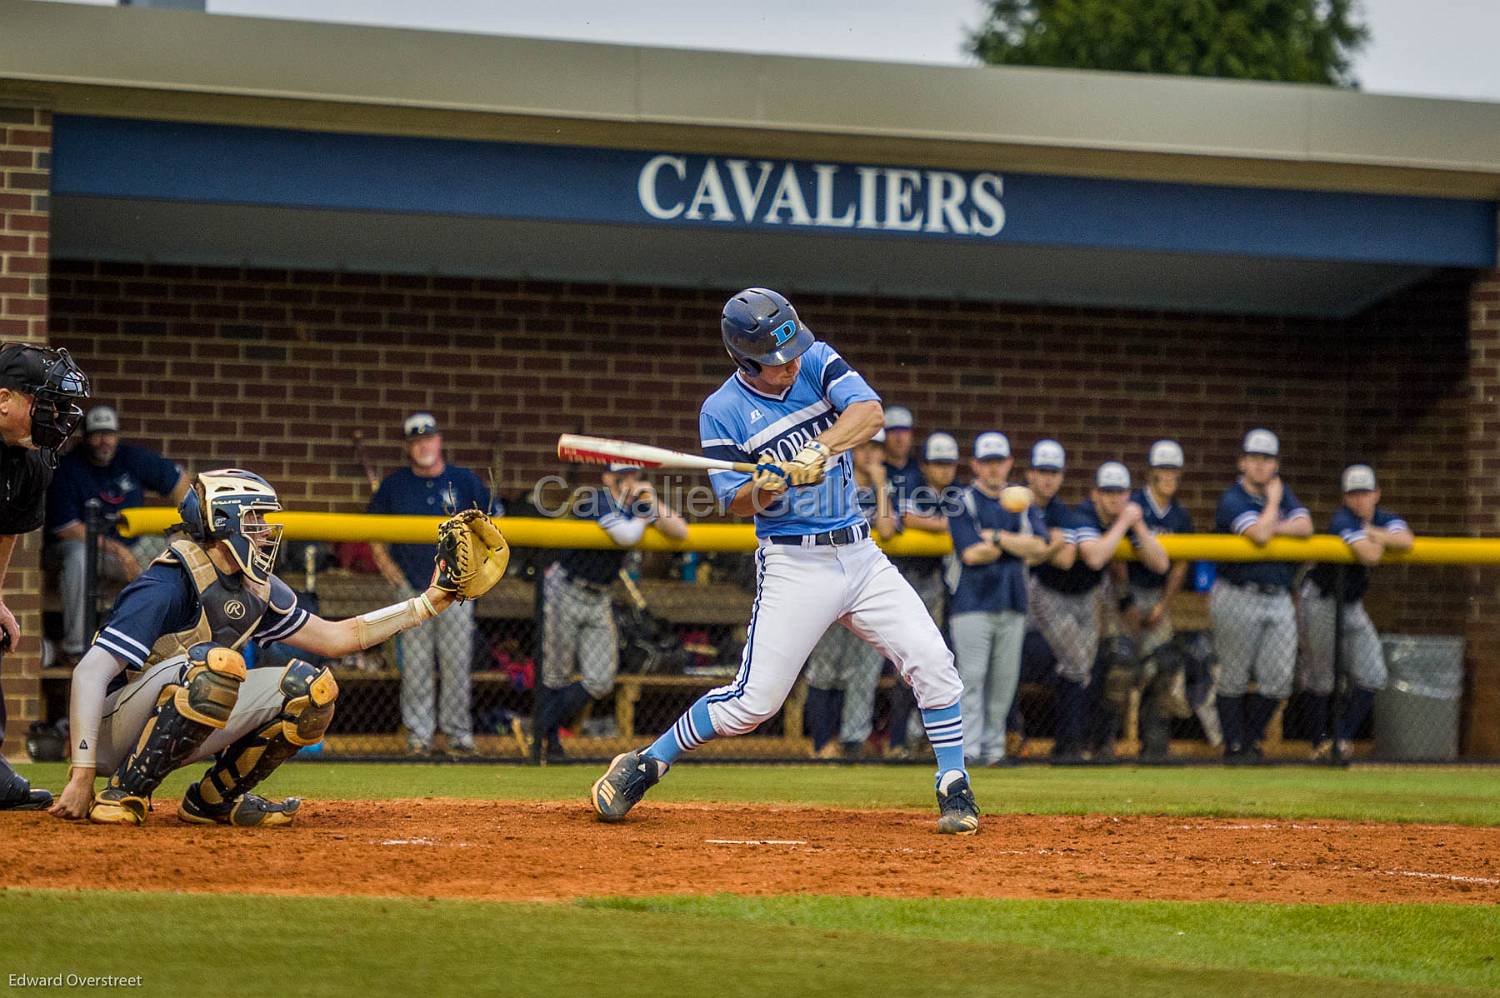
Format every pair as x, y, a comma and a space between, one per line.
420, 424
619, 466
993, 445
1262, 442
1047, 455
898, 417
940, 447
1359, 478
101, 419
1112, 475
1165, 454
878, 438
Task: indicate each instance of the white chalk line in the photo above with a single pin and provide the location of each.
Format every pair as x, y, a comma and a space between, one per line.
756, 842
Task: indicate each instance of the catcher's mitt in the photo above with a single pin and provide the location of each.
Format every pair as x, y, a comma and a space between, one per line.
471, 555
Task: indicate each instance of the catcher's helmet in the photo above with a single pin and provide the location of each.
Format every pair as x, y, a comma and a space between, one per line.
762, 329
229, 505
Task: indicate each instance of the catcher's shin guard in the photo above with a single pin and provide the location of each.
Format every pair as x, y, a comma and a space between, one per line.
223, 797
184, 717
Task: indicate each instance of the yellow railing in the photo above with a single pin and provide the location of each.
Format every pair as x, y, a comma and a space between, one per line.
565, 533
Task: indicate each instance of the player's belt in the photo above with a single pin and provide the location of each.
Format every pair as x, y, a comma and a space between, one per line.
1264, 588
844, 535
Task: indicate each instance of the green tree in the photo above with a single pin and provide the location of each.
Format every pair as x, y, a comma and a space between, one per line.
1292, 41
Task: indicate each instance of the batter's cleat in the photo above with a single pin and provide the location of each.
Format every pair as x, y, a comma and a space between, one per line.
116, 806
247, 811
16, 793
623, 785
958, 814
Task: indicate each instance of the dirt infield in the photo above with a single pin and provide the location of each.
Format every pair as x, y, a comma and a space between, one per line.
551, 851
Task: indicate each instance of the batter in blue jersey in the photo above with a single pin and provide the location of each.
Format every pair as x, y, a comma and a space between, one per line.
796, 409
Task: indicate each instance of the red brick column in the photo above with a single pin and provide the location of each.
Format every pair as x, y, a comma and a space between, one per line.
25, 168
1482, 624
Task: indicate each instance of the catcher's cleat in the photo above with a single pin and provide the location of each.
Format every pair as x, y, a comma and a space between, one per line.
117, 806
623, 785
248, 811
958, 814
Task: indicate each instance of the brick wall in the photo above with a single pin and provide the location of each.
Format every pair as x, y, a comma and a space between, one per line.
25, 165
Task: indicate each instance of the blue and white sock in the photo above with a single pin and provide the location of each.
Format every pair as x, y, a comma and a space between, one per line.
692, 729
945, 730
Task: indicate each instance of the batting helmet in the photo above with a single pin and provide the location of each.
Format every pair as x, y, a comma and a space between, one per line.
221, 506
762, 329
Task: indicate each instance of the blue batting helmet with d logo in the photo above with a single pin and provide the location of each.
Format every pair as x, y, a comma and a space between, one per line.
761, 329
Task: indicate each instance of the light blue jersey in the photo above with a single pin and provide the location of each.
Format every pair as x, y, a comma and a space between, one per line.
739, 423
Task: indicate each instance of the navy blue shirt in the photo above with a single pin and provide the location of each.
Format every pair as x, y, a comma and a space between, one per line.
1351, 528
162, 600
121, 484
1000, 585
1172, 520
924, 500
1078, 524
1238, 510
599, 566
404, 493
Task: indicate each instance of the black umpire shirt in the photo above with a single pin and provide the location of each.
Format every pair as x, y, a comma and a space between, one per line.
24, 476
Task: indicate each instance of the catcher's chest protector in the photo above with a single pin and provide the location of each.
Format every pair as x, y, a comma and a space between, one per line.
225, 616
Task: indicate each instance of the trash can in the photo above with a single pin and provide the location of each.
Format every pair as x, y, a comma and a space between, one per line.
1416, 715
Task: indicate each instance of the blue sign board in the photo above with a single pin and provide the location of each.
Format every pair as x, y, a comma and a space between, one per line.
170, 161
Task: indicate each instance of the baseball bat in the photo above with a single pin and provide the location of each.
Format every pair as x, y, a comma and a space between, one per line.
358, 438
598, 450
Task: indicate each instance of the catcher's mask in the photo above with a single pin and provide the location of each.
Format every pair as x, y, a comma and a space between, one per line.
56, 385
230, 505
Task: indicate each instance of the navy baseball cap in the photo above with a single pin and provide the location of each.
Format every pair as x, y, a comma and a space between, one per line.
1165, 454
420, 424
1112, 477
1048, 455
898, 417
939, 448
1262, 442
991, 446
1359, 478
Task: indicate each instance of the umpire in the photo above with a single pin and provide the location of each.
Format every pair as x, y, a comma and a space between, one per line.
1254, 622
40, 392
1370, 531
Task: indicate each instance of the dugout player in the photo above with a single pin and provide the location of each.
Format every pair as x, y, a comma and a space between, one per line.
118, 475
988, 620
841, 662
578, 618
1150, 594
1067, 602
40, 394
1370, 531
1254, 622
444, 652
796, 408
164, 683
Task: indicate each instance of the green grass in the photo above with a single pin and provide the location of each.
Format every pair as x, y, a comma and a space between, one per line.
1469, 796
244, 945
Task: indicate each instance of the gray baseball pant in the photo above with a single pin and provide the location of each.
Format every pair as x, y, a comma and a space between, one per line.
440, 648
1255, 635
987, 651
579, 625
1363, 658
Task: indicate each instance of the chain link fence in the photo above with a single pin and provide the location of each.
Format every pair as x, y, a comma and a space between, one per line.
579, 654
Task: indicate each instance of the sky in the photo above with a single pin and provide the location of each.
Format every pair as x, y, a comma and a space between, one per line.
1440, 48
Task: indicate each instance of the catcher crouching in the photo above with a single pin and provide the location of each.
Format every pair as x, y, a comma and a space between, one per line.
164, 684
